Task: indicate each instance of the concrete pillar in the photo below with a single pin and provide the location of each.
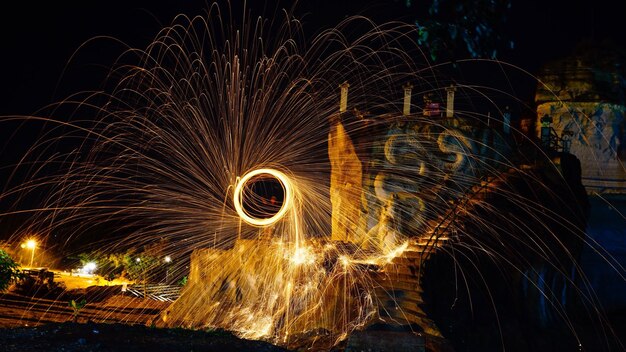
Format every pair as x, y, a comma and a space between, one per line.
407, 99
343, 101
506, 121
450, 101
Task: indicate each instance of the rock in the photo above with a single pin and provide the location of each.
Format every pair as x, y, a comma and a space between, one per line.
345, 185
378, 341
597, 133
584, 96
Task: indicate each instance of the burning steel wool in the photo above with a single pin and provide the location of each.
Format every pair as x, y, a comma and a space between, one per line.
241, 192
308, 186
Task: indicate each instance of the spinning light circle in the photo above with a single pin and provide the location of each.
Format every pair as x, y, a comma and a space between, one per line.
238, 197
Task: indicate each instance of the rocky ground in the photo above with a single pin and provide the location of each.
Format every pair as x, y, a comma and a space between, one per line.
72, 337
108, 322
113, 322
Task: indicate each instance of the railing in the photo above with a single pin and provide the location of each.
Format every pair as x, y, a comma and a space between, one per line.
552, 141
157, 292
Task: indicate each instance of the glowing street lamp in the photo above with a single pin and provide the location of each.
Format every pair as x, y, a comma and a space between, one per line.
89, 268
32, 244
167, 261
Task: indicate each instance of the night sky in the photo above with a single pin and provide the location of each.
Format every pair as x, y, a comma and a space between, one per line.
38, 41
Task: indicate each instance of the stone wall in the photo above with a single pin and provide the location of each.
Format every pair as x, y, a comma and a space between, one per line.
584, 94
598, 134
345, 185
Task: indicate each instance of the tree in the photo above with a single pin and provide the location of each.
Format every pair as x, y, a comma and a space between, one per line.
76, 306
139, 268
109, 265
450, 29
9, 270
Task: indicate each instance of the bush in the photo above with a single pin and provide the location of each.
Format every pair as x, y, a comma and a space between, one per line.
9, 271
76, 306
39, 285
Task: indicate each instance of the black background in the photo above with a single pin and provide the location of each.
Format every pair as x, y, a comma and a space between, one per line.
38, 39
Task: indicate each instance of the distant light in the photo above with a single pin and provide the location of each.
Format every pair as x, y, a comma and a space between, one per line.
31, 244
138, 260
23, 245
89, 268
168, 259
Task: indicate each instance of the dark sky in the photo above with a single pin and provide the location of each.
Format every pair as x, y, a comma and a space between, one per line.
37, 40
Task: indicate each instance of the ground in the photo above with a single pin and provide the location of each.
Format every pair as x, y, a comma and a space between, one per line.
120, 337
110, 321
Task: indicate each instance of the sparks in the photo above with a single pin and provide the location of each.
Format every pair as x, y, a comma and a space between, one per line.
238, 197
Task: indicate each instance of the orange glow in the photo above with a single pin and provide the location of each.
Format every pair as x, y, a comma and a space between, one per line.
238, 201
32, 244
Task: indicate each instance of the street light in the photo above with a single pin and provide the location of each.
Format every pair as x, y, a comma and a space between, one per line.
32, 244
89, 268
167, 261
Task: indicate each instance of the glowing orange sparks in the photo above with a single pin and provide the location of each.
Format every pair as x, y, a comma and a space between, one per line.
238, 199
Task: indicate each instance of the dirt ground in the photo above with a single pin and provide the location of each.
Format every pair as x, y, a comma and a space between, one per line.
108, 322
70, 337
77, 281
